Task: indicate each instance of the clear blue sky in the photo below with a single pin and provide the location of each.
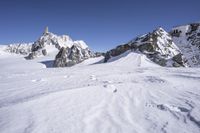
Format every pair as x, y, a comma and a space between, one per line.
102, 24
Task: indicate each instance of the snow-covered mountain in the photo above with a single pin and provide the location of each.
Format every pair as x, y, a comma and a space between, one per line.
158, 46
19, 48
187, 38
50, 43
179, 47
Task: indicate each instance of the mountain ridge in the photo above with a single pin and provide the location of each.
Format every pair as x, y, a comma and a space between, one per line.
180, 47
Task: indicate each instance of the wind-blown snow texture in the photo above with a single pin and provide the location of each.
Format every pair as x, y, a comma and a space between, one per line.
129, 94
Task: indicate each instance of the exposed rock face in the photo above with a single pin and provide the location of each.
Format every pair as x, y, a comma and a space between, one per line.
61, 58
117, 51
71, 56
157, 46
176, 33
30, 56
46, 30
189, 42
44, 52
179, 60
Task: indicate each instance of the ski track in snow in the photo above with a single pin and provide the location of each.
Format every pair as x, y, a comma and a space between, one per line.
128, 95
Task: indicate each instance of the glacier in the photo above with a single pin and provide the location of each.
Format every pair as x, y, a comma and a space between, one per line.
129, 94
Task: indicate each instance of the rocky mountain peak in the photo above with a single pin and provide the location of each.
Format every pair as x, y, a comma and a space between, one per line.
157, 46
159, 30
46, 30
51, 43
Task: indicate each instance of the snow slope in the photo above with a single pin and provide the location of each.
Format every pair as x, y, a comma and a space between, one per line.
132, 59
121, 96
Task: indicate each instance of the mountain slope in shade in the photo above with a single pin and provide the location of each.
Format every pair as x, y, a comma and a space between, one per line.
72, 56
187, 38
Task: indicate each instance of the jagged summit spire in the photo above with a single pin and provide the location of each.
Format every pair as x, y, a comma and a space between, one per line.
46, 30
159, 29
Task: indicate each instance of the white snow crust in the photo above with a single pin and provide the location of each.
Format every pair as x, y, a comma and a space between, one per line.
129, 94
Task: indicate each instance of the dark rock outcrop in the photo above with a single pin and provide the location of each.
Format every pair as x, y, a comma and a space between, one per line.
117, 51
179, 60
61, 58
175, 32
70, 56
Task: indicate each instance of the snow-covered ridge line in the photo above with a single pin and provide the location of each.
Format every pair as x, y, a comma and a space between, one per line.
179, 47
18, 48
44, 43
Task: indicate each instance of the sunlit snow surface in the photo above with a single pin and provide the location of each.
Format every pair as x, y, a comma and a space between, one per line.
126, 95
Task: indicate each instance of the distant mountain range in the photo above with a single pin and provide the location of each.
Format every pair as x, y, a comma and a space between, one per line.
179, 47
